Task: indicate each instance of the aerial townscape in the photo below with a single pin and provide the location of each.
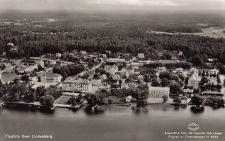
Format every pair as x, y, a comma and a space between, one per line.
136, 72
45, 64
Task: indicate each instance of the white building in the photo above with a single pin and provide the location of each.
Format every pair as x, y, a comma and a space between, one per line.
74, 84
96, 82
51, 78
158, 91
128, 99
141, 55
112, 69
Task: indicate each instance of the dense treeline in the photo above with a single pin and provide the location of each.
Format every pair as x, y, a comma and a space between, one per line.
35, 39
69, 70
21, 93
184, 65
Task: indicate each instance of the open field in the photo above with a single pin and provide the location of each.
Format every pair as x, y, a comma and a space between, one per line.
210, 32
62, 100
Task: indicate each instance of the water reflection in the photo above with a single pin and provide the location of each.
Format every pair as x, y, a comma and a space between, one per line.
92, 111
28, 109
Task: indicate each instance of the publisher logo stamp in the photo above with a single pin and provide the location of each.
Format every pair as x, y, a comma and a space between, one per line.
193, 126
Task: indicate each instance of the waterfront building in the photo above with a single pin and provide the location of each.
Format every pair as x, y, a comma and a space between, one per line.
158, 91
75, 84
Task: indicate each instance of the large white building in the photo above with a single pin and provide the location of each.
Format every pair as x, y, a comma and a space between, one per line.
74, 84
158, 91
51, 78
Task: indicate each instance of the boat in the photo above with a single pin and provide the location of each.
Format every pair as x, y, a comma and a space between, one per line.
197, 108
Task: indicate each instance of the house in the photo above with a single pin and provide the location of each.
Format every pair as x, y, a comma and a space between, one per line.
75, 84
128, 71
135, 65
144, 62
103, 76
115, 60
51, 78
96, 82
116, 76
213, 72
212, 60
102, 56
141, 55
58, 55
193, 80
128, 99
83, 52
179, 70
161, 69
74, 51
112, 69
156, 92
188, 89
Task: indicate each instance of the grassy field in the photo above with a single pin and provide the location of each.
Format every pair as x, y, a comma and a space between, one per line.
62, 100
212, 32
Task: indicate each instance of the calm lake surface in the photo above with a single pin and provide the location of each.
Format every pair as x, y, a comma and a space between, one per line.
115, 124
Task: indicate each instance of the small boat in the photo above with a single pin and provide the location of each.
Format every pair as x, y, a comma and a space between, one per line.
197, 108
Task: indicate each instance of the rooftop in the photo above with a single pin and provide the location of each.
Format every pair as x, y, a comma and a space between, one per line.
159, 88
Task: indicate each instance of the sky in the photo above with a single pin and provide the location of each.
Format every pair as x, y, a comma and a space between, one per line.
104, 5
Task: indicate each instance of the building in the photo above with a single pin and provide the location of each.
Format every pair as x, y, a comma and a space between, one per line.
135, 65
158, 92
112, 69
96, 82
115, 60
161, 69
144, 62
128, 71
74, 84
141, 55
179, 70
51, 78
102, 55
83, 52
128, 99
116, 76
188, 89
58, 55
193, 80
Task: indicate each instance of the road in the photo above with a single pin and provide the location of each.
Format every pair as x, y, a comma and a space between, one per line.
92, 69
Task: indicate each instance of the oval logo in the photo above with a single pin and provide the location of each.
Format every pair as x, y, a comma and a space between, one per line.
193, 127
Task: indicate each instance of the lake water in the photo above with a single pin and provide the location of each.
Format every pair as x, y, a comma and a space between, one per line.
115, 124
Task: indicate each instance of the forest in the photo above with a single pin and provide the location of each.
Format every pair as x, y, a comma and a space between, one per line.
36, 37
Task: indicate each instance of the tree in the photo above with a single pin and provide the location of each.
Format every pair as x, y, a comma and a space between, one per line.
204, 80
155, 82
25, 78
47, 100
197, 61
165, 98
72, 101
197, 100
110, 101
142, 95
222, 69
175, 89
177, 99
40, 91
165, 82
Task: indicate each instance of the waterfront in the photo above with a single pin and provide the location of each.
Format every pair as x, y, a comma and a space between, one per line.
116, 123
